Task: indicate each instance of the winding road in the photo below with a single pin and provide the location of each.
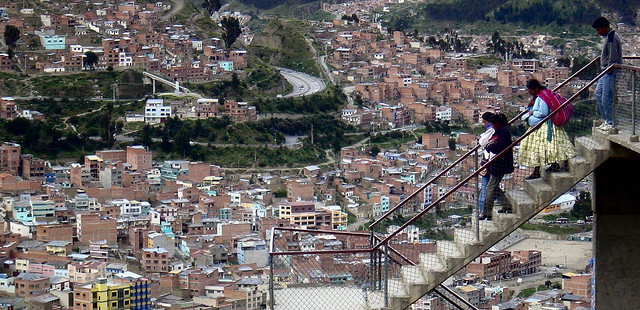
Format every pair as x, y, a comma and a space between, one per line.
303, 84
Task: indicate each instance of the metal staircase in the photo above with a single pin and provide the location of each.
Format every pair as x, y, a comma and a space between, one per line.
398, 268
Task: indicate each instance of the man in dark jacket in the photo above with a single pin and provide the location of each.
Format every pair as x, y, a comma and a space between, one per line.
611, 54
500, 141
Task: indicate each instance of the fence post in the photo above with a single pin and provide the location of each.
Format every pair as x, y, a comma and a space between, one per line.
634, 137
386, 275
372, 262
272, 299
478, 202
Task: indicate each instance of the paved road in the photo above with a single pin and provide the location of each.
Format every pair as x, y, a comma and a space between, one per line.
303, 84
323, 64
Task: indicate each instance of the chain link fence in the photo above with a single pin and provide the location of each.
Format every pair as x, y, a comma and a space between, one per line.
470, 204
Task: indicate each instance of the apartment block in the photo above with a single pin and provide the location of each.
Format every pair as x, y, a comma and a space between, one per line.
54, 232
31, 285
155, 260
10, 154
87, 271
139, 157
94, 227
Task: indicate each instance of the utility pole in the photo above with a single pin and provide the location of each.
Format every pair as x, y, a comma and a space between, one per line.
311, 133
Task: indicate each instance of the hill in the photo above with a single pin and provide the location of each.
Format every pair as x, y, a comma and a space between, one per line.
491, 14
282, 43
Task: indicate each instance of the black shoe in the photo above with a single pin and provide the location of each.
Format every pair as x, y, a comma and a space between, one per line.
533, 176
485, 218
554, 167
506, 210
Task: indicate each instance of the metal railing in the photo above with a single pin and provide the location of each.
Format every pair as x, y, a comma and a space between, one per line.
448, 238
383, 263
319, 269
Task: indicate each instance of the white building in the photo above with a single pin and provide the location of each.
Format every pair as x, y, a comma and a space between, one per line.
443, 113
128, 207
156, 112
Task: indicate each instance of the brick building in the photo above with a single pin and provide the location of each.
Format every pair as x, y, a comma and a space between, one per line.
10, 154
155, 260
578, 284
31, 285
8, 108
54, 232
94, 227
139, 157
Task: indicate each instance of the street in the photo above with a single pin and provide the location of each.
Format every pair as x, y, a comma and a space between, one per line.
303, 84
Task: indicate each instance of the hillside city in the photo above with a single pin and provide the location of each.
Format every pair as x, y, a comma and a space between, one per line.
133, 226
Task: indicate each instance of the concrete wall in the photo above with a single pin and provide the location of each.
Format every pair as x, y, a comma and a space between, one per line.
617, 230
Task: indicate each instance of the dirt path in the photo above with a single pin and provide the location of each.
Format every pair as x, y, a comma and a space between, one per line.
177, 6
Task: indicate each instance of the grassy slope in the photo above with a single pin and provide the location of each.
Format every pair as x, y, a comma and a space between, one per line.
513, 16
282, 43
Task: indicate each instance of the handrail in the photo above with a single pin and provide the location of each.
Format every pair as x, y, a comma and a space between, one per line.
319, 231
448, 290
498, 156
466, 155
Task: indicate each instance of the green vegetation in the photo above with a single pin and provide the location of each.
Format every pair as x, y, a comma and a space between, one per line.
281, 193
572, 17
241, 156
544, 12
351, 218
553, 229
527, 292
425, 223
43, 140
329, 101
391, 139
232, 31
216, 139
262, 80
13, 85
482, 61
283, 44
87, 85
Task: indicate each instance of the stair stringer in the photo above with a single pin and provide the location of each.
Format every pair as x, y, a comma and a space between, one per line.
592, 152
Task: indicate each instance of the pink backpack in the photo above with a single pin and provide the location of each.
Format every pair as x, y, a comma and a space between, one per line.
554, 101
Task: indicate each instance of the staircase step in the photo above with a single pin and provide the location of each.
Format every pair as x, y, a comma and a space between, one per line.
376, 300
592, 149
579, 166
504, 220
559, 180
539, 190
432, 262
397, 289
449, 249
520, 201
413, 275
414, 280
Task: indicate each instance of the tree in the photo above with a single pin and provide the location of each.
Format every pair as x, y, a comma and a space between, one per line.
211, 6
109, 128
90, 59
374, 150
146, 135
11, 35
182, 140
452, 144
232, 31
11, 53
582, 207
235, 82
110, 68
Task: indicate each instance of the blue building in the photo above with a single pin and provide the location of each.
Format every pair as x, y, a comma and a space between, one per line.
22, 211
53, 42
